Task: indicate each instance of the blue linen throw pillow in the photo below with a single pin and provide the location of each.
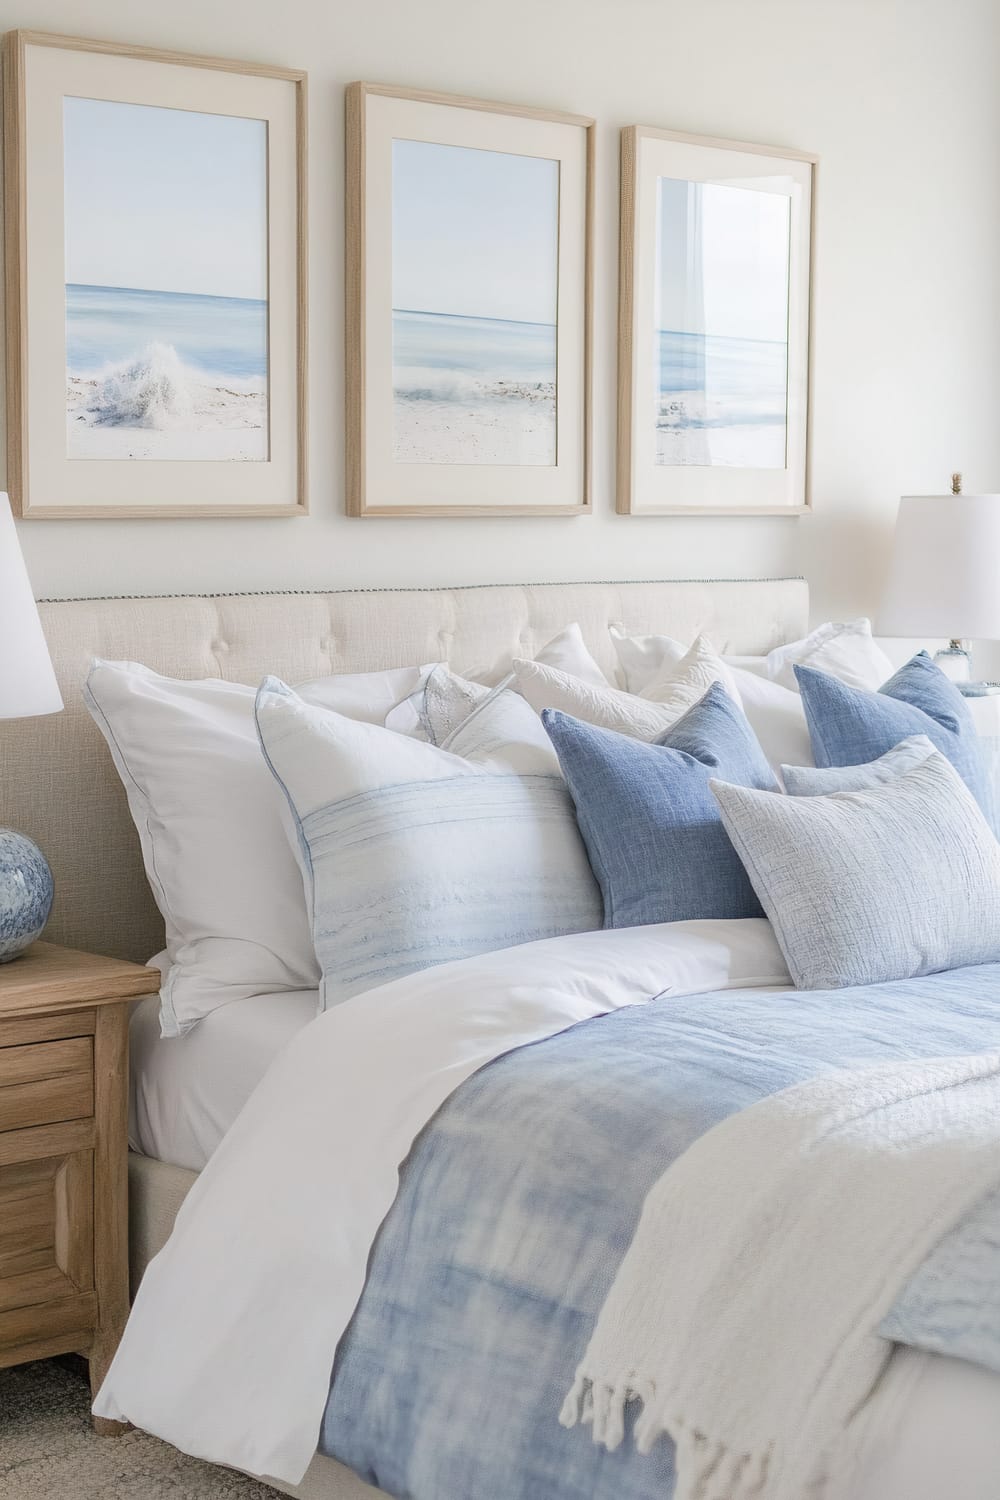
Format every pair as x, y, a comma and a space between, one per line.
650, 823
849, 726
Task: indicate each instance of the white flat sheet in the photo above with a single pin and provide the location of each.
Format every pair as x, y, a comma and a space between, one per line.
187, 1090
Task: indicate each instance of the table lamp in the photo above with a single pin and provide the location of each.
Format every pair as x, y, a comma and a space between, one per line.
944, 576
27, 687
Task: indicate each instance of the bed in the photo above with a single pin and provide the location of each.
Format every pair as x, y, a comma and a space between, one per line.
60, 787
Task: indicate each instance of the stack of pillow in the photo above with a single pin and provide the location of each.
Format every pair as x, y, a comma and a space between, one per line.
360, 828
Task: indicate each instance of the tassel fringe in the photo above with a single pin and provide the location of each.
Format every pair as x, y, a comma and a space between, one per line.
707, 1468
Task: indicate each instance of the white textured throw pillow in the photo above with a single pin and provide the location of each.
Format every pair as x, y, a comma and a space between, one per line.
666, 700
867, 886
766, 685
209, 818
846, 650
775, 713
446, 698
413, 855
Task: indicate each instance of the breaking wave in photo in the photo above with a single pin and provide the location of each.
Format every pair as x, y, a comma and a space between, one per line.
165, 375
149, 391
154, 390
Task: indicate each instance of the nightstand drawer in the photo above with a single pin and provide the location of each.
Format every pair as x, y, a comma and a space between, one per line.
42, 1083
46, 1233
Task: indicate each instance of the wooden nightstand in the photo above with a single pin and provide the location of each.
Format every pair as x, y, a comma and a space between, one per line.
63, 1155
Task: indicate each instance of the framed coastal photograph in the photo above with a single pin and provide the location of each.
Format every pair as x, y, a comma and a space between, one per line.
156, 282
714, 311
468, 306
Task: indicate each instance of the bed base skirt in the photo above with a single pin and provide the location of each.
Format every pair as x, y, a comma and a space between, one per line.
156, 1192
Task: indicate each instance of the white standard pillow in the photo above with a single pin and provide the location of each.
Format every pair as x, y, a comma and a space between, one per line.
777, 718
413, 855
845, 650
209, 819
667, 699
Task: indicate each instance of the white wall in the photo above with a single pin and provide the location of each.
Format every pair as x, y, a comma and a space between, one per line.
900, 98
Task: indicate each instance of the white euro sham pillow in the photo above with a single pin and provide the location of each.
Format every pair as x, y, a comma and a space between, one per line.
414, 855
209, 819
668, 698
569, 652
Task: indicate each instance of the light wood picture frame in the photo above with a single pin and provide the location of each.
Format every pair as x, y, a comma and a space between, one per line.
714, 326
156, 282
469, 305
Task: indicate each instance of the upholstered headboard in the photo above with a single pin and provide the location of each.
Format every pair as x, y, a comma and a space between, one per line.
57, 780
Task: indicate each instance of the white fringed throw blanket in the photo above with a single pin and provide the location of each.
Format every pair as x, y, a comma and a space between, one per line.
743, 1316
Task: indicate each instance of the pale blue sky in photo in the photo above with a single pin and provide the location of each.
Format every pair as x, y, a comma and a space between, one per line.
723, 260
474, 233
165, 199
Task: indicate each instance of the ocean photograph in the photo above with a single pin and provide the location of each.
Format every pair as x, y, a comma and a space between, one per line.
720, 344
166, 284
475, 279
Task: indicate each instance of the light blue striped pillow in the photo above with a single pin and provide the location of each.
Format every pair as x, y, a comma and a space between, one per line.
819, 781
413, 855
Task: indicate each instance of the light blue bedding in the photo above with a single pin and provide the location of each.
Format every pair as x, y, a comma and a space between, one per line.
521, 1196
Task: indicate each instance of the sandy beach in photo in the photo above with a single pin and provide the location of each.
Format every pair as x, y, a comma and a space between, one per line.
509, 423
695, 429
473, 390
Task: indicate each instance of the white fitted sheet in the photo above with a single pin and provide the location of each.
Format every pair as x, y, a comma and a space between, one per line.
186, 1091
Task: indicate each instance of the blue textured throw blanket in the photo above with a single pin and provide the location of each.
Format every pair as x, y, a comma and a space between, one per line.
521, 1196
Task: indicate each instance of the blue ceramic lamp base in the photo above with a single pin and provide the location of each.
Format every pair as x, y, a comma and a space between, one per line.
25, 893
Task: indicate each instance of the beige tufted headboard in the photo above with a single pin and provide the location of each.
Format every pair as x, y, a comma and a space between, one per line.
57, 780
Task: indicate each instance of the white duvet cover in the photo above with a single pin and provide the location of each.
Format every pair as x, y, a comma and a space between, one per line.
229, 1348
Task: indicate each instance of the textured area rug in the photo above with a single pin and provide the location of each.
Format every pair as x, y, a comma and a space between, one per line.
48, 1450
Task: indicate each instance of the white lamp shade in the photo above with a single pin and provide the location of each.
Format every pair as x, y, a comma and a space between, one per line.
944, 573
27, 682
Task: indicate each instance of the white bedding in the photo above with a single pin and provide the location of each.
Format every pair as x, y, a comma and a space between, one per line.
186, 1091
206, 1361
